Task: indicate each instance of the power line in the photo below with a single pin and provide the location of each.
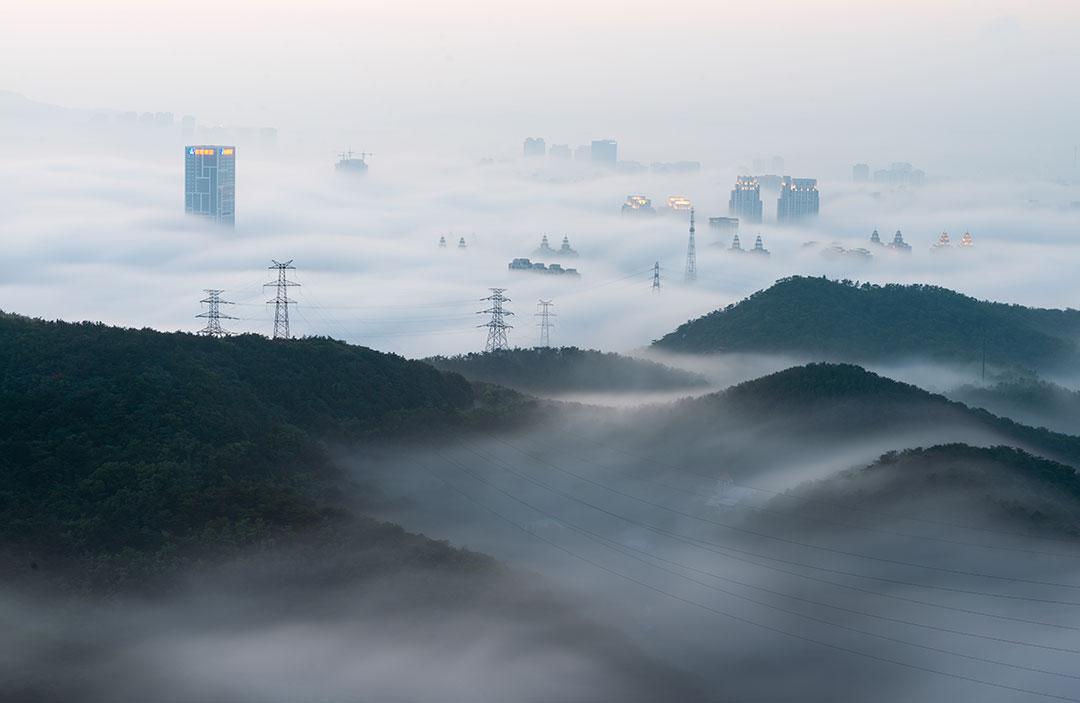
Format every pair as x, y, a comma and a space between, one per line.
213, 314
619, 547
729, 552
281, 298
798, 543
691, 254
497, 326
546, 322
717, 611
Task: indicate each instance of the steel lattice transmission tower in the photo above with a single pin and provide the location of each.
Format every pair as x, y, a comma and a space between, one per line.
281, 298
546, 322
213, 314
497, 326
691, 253
656, 277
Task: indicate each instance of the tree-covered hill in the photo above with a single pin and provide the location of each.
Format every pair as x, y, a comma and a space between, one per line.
844, 321
958, 483
544, 369
832, 402
118, 441
1027, 400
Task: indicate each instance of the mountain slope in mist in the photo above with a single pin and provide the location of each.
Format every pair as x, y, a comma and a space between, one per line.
544, 369
987, 484
1028, 400
134, 442
845, 321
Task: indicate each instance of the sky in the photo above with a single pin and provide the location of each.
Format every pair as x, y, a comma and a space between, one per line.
961, 87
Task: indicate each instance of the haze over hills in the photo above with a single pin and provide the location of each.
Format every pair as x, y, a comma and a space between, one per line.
1027, 400
567, 369
844, 321
986, 484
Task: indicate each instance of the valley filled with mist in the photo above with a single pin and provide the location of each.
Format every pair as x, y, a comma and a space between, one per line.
570, 354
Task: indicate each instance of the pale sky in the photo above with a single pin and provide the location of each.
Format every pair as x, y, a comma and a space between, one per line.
955, 85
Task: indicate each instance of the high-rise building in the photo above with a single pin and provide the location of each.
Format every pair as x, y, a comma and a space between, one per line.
724, 226
560, 151
605, 152
210, 182
535, 146
860, 173
798, 199
745, 202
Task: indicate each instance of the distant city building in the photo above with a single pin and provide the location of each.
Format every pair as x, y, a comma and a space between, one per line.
350, 162
900, 173
967, 241
638, 205
759, 247
678, 202
566, 250
537, 267
798, 199
544, 249
875, 238
942, 242
604, 152
631, 167
745, 201
442, 242
461, 243
535, 146
560, 151
210, 182
898, 244
770, 182
583, 153
736, 246
777, 164
724, 226
860, 173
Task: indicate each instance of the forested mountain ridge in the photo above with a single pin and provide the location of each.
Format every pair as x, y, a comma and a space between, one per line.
119, 441
566, 369
842, 320
844, 400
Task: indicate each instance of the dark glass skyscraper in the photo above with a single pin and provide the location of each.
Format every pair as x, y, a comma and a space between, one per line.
210, 182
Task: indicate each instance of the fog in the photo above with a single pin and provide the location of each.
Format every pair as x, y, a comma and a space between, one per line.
661, 545
726, 560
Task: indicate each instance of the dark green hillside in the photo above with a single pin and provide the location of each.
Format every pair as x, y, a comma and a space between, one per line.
841, 320
117, 441
1026, 400
961, 482
567, 369
847, 401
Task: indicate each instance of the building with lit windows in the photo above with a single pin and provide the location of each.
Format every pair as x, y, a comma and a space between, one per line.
210, 182
798, 199
745, 202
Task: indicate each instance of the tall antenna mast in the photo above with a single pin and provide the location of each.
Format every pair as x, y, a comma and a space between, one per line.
496, 338
213, 314
546, 322
656, 277
281, 298
691, 253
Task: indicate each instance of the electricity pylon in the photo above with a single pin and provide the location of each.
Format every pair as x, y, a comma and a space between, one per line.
213, 313
281, 298
497, 326
546, 322
691, 253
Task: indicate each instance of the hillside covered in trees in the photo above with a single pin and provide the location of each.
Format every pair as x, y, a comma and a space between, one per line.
845, 321
567, 369
120, 445
958, 482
